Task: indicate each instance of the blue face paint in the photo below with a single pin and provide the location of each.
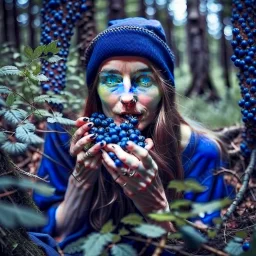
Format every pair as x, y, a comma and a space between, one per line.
139, 82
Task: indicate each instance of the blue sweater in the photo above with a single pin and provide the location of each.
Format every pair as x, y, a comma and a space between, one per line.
200, 159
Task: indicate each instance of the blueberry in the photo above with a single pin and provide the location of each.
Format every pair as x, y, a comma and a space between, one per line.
123, 144
137, 132
134, 137
124, 139
109, 120
108, 139
99, 138
97, 122
124, 126
141, 144
122, 134
101, 130
104, 123
101, 116
114, 138
130, 131
112, 125
118, 163
112, 131
95, 114
246, 246
118, 128
141, 138
112, 155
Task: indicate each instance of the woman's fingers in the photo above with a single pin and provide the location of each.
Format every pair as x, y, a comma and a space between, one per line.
78, 135
123, 156
79, 146
142, 154
149, 144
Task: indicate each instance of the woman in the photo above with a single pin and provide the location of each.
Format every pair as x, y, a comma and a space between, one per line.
129, 70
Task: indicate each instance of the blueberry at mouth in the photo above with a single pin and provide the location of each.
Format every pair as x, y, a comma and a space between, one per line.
129, 116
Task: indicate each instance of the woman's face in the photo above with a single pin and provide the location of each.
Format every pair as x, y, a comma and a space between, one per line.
120, 80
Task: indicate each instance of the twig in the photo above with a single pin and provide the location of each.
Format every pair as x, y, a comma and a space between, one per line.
149, 240
240, 194
48, 131
179, 248
160, 247
28, 174
223, 170
7, 193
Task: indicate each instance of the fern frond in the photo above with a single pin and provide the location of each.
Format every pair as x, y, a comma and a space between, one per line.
14, 148
9, 70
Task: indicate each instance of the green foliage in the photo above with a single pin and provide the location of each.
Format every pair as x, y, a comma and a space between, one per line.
95, 243
234, 247
192, 237
14, 148
13, 216
123, 250
187, 185
149, 230
132, 219
9, 70
40, 188
107, 227
57, 118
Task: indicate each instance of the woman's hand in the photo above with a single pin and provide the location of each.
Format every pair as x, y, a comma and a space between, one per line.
139, 177
87, 161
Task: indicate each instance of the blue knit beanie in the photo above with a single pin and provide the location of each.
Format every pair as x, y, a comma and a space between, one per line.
130, 37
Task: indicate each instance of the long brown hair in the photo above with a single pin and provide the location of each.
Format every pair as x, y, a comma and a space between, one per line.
165, 133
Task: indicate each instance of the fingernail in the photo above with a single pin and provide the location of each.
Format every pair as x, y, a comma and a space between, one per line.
89, 125
93, 136
86, 119
102, 143
113, 146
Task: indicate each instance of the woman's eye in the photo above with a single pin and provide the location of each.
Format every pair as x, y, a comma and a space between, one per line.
110, 80
144, 80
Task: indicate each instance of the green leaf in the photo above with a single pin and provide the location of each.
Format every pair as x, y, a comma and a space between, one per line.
192, 237
54, 58
74, 247
123, 232
116, 238
14, 116
37, 69
57, 118
107, 227
95, 243
176, 235
42, 113
10, 99
149, 230
25, 134
217, 221
51, 47
162, 216
38, 51
14, 148
42, 98
132, 219
234, 247
40, 188
14, 216
187, 185
209, 207
211, 233
123, 250
5, 89
9, 70
41, 78
177, 204
3, 137
28, 52
242, 234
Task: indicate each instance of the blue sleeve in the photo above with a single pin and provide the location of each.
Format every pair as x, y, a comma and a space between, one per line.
56, 166
205, 161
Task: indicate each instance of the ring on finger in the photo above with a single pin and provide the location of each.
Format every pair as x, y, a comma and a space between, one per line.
130, 174
88, 154
124, 184
124, 171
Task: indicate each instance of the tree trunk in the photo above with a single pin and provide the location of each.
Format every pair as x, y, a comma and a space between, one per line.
198, 53
116, 9
16, 237
142, 9
30, 24
86, 29
5, 22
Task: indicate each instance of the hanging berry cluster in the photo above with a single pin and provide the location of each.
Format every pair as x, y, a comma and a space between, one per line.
59, 18
244, 34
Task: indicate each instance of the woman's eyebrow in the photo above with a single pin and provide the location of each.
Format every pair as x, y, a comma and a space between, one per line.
142, 70
110, 71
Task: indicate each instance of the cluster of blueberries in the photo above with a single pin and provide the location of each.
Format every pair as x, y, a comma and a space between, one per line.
58, 21
244, 34
108, 131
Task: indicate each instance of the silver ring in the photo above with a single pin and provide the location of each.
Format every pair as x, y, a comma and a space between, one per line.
131, 173
124, 184
124, 171
88, 154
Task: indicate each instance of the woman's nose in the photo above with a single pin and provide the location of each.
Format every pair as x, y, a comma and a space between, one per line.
128, 99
